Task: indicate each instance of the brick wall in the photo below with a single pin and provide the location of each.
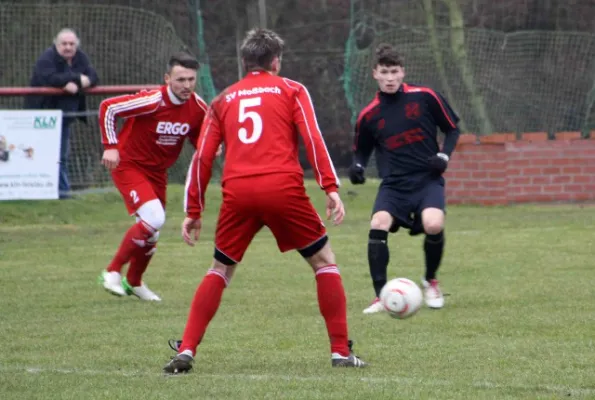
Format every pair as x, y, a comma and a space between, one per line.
499, 169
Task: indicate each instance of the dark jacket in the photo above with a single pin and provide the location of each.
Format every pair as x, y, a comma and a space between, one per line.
51, 70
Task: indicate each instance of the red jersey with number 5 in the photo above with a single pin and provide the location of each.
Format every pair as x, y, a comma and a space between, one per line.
259, 119
156, 126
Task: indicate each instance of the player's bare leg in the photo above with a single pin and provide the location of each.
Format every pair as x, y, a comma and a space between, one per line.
202, 310
433, 222
332, 302
378, 255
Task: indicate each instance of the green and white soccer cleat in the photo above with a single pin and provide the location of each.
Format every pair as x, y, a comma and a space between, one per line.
142, 291
112, 282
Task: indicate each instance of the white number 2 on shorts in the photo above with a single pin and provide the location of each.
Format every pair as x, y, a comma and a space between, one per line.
134, 196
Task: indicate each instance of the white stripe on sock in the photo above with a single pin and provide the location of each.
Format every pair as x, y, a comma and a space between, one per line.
219, 274
188, 353
329, 269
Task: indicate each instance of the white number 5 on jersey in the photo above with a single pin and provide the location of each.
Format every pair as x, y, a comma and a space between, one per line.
243, 134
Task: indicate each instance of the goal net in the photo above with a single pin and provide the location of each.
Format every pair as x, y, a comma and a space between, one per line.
497, 81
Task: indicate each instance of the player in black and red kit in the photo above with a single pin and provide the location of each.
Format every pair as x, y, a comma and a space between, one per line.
400, 125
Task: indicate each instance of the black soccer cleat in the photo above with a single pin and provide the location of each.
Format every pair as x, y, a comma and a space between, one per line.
351, 361
180, 364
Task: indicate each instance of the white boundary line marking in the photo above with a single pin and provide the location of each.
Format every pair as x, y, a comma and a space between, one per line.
560, 389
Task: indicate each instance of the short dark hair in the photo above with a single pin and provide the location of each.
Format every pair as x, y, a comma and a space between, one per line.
182, 59
388, 56
259, 49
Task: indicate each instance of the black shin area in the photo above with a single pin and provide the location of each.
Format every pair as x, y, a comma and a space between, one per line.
433, 249
378, 257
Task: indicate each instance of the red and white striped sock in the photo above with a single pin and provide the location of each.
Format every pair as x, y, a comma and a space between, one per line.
203, 308
333, 307
134, 238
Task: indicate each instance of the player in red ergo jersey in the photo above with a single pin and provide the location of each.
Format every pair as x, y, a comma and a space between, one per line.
157, 124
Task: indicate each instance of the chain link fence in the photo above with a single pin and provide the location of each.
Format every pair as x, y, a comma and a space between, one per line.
505, 66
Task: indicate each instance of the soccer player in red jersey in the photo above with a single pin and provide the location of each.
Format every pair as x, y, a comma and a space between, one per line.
139, 155
259, 119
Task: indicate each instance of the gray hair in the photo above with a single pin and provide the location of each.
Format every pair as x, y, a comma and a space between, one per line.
67, 30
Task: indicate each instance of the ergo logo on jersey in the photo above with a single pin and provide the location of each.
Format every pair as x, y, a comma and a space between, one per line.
176, 128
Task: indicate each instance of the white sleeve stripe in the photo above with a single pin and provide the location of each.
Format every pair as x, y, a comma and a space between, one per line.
319, 179
202, 146
313, 147
321, 138
201, 103
114, 109
187, 185
310, 133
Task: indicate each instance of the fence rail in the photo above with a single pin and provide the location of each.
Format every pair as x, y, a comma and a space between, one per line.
85, 169
98, 90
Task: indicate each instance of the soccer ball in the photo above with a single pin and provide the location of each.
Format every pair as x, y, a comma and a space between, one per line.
401, 298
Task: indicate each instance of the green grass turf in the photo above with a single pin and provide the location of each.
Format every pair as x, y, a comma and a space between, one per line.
519, 320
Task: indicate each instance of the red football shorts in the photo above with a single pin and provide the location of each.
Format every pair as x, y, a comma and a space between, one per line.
278, 201
138, 186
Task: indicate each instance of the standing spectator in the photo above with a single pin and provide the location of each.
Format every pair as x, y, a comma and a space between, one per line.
65, 66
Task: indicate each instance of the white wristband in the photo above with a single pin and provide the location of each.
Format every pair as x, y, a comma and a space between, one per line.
443, 156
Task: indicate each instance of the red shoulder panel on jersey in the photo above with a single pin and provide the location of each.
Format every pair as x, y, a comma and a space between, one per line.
362, 115
201, 103
412, 89
366, 110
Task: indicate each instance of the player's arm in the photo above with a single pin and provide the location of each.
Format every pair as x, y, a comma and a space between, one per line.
194, 134
304, 118
201, 168
199, 175
363, 142
446, 120
126, 106
363, 145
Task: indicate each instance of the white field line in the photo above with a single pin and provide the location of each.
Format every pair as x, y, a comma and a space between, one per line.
565, 390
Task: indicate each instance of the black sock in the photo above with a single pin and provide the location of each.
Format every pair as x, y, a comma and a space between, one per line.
378, 258
433, 248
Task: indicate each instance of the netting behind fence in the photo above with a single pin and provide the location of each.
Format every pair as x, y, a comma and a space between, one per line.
125, 45
498, 82
515, 66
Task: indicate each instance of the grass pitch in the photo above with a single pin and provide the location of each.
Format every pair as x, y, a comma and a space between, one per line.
519, 321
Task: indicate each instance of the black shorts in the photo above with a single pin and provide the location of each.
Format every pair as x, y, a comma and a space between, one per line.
406, 206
